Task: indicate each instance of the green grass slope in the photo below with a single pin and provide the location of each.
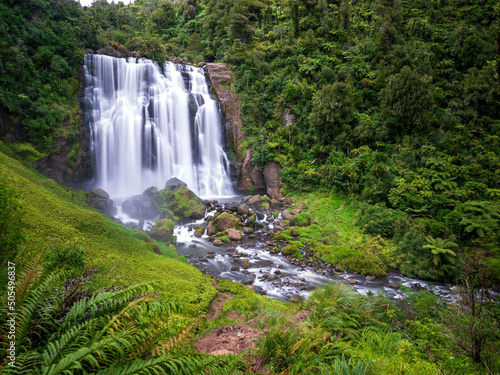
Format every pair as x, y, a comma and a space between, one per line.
53, 215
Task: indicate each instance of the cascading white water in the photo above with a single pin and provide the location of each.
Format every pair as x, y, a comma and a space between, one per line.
148, 126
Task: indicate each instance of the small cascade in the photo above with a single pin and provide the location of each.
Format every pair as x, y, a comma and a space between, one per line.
150, 124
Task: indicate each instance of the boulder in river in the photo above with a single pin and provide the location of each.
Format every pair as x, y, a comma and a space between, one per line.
100, 193
181, 202
234, 234
163, 230
222, 222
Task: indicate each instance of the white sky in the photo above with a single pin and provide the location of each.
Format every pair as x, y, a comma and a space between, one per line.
89, 2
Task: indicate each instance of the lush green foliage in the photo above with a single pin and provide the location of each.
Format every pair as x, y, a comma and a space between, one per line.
11, 224
41, 49
63, 326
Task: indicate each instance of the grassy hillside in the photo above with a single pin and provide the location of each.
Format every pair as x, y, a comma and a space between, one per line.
54, 216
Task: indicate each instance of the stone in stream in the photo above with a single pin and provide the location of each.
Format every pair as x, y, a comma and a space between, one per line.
369, 278
248, 230
222, 222
218, 242
243, 210
247, 282
353, 281
235, 268
234, 234
394, 286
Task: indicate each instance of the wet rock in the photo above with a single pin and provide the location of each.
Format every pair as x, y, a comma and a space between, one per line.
234, 234
163, 230
287, 215
235, 268
245, 263
353, 281
192, 244
100, 193
218, 242
173, 183
247, 282
211, 256
251, 220
394, 286
277, 272
369, 278
255, 199
222, 222
248, 230
243, 210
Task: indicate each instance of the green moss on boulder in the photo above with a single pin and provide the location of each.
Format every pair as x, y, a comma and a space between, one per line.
163, 230
222, 222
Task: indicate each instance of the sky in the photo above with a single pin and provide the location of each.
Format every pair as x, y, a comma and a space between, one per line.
89, 2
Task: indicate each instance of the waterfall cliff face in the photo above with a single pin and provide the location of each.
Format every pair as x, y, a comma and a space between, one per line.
150, 124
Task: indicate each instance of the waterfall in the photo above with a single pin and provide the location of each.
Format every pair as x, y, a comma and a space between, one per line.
150, 124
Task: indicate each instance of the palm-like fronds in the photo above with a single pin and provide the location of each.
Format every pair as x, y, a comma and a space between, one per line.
70, 331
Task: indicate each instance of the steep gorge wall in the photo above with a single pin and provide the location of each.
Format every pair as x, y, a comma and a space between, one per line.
249, 176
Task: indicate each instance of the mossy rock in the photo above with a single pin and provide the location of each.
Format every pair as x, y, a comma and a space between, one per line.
248, 230
224, 239
264, 206
245, 263
163, 230
218, 242
251, 220
222, 222
233, 234
181, 203
290, 250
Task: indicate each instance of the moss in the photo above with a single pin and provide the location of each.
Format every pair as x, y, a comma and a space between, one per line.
283, 236
290, 250
302, 220
72, 154
264, 206
225, 238
297, 243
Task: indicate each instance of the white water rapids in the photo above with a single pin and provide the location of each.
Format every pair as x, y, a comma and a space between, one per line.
150, 124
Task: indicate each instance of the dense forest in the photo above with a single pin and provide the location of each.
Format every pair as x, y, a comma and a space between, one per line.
392, 105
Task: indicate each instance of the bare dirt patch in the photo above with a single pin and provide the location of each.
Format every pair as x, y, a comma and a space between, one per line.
232, 339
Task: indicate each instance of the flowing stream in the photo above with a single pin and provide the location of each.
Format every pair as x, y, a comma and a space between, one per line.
249, 262
149, 124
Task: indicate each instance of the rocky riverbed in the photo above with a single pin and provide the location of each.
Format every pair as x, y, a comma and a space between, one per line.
248, 240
